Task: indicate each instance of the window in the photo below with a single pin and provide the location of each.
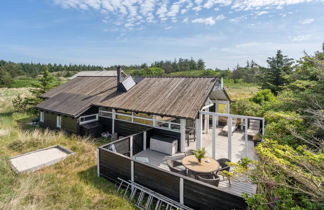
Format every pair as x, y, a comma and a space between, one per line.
105, 112
58, 121
41, 116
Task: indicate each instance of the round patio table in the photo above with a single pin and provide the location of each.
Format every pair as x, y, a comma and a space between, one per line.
207, 165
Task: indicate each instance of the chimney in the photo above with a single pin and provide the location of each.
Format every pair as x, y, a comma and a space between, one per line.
118, 75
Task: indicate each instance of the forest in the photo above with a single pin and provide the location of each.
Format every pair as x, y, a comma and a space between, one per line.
290, 170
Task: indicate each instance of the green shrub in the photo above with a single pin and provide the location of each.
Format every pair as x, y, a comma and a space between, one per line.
263, 96
148, 72
246, 107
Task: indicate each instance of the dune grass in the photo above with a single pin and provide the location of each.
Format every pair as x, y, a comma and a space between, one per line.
69, 184
241, 90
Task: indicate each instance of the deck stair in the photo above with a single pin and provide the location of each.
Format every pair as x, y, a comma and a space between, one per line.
144, 198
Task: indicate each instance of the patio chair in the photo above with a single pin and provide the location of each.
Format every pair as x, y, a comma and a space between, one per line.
254, 128
176, 166
224, 167
222, 162
225, 128
211, 179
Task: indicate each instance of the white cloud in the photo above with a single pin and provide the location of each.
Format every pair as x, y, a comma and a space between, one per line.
307, 21
185, 20
209, 20
262, 13
220, 17
300, 38
257, 4
128, 12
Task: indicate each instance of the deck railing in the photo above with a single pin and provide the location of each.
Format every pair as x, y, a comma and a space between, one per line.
188, 191
167, 125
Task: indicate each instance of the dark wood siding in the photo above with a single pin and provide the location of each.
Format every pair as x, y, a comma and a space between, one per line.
162, 182
113, 166
70, 124
203, 197
137, 143
106, 123
127, 128
49, 120
123, 146
91, 110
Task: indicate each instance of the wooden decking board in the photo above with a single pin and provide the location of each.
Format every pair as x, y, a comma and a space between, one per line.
238, 147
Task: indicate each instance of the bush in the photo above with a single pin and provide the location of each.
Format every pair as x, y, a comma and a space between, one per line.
263, 96
148, 72
281, 124
290, 179
246, 107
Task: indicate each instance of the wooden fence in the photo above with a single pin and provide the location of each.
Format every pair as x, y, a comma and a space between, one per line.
188, 191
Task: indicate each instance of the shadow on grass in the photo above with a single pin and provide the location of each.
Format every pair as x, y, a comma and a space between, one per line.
6, 114
90, 177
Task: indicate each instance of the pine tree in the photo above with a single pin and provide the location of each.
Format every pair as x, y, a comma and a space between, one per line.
275, 77
200, 64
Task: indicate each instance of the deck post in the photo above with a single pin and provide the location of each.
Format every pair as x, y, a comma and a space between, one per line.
263, 128
229, 134
144, 140
227, 107
113, 121
98, 167
183, 135
199, 132
181, 191
131, 156
245, 136
206, 128
131, 146
214, 137
216, 110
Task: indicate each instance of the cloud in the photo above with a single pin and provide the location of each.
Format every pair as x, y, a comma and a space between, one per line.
261, 13
129, 12
206, 21
307, 21
300, 38
209, 20
278, 4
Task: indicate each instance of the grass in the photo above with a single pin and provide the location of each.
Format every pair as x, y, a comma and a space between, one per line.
69, 184
239, 91
22, 82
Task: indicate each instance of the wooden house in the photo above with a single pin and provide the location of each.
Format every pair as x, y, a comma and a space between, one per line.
156, 119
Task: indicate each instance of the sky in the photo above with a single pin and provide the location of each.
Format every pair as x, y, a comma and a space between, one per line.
223, 33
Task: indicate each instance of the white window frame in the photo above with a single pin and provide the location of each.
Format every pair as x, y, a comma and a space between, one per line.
41, 116
58, 121
82, 119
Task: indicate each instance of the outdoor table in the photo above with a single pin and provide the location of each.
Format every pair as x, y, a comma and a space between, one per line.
207, 165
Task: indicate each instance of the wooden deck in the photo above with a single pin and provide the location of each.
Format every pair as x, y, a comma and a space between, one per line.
149, 169
238, 145
158, 159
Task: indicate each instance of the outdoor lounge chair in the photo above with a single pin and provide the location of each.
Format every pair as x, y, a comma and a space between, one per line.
222, 162
254, 128
211, 179
224, 167
176, 166
225, 128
